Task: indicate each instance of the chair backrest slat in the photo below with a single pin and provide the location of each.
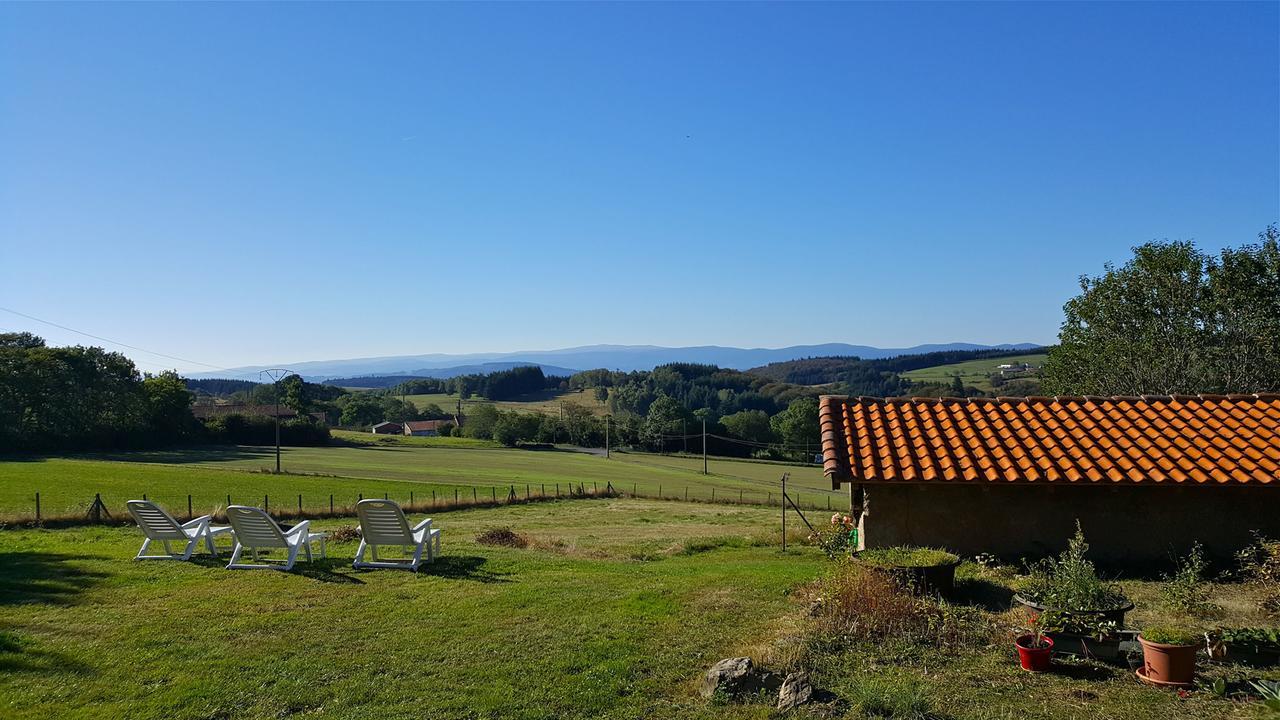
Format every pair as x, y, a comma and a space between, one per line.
254, 527
154, 522
382, 522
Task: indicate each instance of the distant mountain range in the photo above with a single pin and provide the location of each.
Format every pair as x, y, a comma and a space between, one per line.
613, 357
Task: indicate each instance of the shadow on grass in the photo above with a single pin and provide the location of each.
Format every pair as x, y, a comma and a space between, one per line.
320, 569
979, 592
43, 578
455, 567
186, 455
17, 655
1082, 670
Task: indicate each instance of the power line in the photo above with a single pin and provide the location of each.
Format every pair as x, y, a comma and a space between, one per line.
113, 342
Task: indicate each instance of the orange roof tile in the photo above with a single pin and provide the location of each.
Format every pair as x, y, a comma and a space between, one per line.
1180, 439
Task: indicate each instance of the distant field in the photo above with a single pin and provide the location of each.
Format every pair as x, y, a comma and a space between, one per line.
546, 402
68, 484
973, 372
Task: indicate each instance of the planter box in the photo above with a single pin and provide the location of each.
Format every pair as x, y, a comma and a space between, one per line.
936, 579
1251, 655
1111, 648
1116, 615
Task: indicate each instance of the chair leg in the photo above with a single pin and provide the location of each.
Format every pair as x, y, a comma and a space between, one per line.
417, 556
236, 553
360, 553
143, 551
192, 544
208, 541
307, 544
293, 558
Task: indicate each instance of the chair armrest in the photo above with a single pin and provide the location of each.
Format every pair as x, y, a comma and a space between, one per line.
424, 524
299, 528
196, 521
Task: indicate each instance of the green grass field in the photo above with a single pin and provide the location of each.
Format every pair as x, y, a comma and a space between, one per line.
390, 466
613, 611
974, 372
545, 402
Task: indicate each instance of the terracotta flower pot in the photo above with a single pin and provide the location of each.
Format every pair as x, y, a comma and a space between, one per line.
1034, 659
1168, 664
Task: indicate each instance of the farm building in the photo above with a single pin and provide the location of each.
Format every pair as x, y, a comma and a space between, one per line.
1146, 477
387, 428
425, 428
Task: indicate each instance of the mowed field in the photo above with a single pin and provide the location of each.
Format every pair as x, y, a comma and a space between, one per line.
545, 402
614, 611
974, 372
394, 468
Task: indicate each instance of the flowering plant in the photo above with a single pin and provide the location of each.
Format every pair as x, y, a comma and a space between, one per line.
838, 539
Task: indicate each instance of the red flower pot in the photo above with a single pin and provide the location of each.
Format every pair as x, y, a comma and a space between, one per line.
1035, 659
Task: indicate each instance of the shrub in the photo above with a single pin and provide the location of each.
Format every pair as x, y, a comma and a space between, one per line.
1185, 590
1259, 563
858, 603
1071, 582
502, 537
837, 539
1256, 639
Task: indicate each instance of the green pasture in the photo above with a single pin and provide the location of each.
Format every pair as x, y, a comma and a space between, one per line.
391, 467
548, 401
974, 372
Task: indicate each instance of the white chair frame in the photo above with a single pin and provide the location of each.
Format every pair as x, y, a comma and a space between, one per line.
159, 526
383, 523
255, 529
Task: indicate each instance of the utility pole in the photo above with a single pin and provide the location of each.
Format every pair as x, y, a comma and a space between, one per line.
606, 437
276, 375
704, 446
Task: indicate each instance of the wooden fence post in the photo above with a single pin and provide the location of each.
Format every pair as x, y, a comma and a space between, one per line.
330, 503
299, 503
266, 503
189, 513
37, 508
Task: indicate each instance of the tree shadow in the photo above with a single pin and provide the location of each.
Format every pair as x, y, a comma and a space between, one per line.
19, 655
187, 455
983, 593
43, 578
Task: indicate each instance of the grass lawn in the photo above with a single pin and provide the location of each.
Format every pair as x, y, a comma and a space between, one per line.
547, 401
392, 467
974, 372
613, 611
574, 627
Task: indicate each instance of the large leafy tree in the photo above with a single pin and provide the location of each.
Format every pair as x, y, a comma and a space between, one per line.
1174, 320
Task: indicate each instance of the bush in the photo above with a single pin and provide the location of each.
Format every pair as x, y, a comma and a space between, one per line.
838, 539
907, 557
1185, 591
1070, 581
258, 430
861, 604
1260, 564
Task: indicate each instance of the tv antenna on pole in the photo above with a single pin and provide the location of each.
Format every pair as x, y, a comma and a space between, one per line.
276, 375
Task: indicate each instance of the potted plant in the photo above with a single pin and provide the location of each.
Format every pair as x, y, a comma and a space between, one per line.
924, 570
1035, 649
839, 539
1169, 655
1081, 634
1070, 583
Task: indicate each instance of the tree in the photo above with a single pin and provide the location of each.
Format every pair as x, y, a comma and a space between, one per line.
1174, 320
168, 403
798, 424
480, 422
957, 386
749, 425
666, 417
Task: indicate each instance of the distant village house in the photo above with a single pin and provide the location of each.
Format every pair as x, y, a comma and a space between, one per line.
388, 428
425, 428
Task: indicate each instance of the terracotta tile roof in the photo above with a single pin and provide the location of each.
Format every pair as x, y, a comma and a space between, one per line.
424, 424
1181, 439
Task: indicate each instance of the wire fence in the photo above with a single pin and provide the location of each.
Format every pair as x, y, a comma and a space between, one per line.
110, 509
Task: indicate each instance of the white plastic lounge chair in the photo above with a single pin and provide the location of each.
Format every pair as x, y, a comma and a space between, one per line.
255, 530
159, 526
382, 522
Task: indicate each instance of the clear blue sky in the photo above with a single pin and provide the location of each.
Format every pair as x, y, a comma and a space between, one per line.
237, 183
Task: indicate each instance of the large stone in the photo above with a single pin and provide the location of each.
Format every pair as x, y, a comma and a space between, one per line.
796, 690
730, 676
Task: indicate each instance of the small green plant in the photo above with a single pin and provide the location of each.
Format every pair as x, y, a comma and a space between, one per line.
1070, 581
1186, 590
838, 539
1256, 639
907, 557
1269, 691
1171, 635
1089, 625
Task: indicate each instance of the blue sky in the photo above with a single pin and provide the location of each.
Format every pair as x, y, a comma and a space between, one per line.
237, 183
